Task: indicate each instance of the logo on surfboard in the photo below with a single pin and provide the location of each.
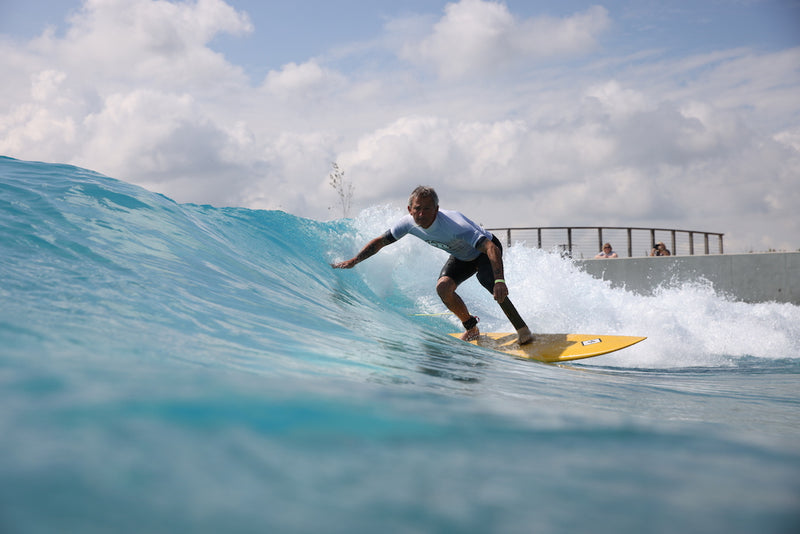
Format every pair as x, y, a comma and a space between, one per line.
591, 341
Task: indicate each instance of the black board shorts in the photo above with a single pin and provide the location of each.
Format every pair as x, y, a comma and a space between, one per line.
460, 270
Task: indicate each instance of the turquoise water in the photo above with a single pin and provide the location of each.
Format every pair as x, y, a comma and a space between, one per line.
183, 368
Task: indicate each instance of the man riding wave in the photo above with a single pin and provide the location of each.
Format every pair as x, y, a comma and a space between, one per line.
472, 250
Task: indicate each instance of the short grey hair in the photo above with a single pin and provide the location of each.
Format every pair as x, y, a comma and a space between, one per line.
423, 191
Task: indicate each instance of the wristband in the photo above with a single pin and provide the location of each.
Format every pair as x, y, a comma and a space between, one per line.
499, 280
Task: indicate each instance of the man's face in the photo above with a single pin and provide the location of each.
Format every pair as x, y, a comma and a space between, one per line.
423, 210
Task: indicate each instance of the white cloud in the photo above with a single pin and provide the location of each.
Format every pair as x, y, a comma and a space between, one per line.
158, 43
790, 137
46, 84
127, 90
306, 80
475, 37
617, 100
41, 116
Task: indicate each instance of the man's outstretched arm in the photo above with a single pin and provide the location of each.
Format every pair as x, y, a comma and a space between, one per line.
370, 249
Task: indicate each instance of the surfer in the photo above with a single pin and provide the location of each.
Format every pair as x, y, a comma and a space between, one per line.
472, 250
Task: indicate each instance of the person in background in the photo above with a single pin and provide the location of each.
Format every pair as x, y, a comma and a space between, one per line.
607, 252
660, 250
472, 250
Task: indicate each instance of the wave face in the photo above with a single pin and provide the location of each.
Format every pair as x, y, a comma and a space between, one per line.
168, 367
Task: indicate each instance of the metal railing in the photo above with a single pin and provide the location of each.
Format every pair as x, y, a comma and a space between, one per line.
586, 241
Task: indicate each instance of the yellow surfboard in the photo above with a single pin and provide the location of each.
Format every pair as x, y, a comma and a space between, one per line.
554, 347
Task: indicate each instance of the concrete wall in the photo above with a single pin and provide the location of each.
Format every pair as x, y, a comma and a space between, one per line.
745, 277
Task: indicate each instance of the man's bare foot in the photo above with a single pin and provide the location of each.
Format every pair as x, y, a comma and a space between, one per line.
471, 334
524, 335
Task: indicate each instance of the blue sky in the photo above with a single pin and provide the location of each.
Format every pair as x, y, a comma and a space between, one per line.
640, 111
294, 31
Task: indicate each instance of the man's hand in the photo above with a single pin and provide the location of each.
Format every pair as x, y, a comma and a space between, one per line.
347, 264
500, 291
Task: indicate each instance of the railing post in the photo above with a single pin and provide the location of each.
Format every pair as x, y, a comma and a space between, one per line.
720, 244
569, 241
630, 242
508, 237
539, 235
691, 243
600, 237
705, 242
674, 243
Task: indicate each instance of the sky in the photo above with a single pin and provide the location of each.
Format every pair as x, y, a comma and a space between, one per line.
666, 114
